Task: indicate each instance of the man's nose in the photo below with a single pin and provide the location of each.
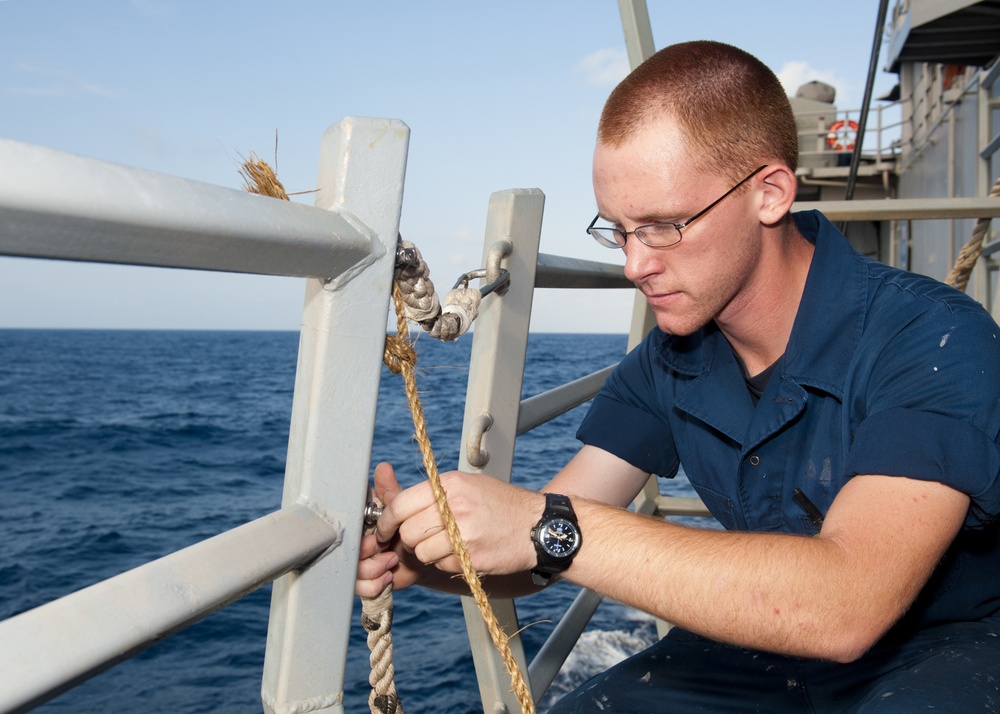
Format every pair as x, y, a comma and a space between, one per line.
641, 261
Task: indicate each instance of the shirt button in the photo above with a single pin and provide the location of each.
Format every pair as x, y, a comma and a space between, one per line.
754, 460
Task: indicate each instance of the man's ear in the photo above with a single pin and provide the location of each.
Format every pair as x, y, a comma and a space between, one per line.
779, 189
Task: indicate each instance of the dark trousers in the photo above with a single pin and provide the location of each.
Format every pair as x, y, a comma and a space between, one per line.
947, 668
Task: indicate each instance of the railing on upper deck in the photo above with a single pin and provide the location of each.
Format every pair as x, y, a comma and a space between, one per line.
880, 144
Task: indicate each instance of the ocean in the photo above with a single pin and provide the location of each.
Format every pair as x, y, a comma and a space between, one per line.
120, 446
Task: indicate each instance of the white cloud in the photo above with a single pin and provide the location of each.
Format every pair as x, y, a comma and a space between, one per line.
604, 68
793, 75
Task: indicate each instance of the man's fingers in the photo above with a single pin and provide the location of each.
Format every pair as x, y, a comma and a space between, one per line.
369, 547
374, 573
375, 567
386, 484
403, 506
372, 588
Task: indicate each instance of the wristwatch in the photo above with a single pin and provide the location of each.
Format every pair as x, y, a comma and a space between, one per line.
556, 537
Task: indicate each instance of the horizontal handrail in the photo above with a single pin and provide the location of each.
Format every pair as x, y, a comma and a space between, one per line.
540, 408
68, 640
893, 209
682, 506
62, 206
556, 271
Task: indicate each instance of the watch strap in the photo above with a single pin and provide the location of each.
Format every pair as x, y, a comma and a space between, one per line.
556, 506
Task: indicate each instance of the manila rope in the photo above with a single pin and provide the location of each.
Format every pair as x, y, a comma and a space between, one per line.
413, 291
958, 277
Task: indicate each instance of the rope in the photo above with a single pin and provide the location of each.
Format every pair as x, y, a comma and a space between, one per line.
461, 308
376, 618
376, 613
958, 277
260, 178
422, 305
400, 358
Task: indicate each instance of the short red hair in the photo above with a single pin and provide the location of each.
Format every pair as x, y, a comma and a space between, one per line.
728, 104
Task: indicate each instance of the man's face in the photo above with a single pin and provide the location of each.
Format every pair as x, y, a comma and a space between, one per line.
652, 178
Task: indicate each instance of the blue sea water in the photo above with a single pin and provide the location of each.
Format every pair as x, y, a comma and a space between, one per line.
118, 447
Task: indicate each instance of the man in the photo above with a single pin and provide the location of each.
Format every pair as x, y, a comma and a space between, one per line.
840, 418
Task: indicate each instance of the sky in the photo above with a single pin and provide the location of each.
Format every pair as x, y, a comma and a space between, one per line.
497, 95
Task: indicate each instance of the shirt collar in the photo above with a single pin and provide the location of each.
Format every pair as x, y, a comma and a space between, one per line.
827, 327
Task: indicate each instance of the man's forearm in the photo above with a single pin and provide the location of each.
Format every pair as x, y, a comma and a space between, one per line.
828, 597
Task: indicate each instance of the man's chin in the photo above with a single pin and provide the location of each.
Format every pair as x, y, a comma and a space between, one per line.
679, 327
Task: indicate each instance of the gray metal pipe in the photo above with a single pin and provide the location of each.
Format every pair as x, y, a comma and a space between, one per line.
555, 271
57, 646
541, 408
916, 209
66, 207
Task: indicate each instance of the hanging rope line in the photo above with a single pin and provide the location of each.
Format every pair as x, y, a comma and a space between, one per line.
958, 277
400, 358
414, 297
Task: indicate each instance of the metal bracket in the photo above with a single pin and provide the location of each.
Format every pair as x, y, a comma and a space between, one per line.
372, 512
498, 279
475, 454
500, 285
405, 257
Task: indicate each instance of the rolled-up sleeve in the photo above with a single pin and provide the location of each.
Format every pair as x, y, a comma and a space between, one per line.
936, 448
932, 408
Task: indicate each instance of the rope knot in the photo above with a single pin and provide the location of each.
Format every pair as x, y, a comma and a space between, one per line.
385, 704
398, 351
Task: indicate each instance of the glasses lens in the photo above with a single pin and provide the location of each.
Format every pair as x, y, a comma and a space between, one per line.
608, 237
659, 235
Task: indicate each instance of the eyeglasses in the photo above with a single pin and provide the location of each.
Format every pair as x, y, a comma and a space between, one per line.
656, 235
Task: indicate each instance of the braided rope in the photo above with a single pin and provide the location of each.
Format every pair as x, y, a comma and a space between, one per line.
958, 277
417, 288
376, 618
400, 358
422, 305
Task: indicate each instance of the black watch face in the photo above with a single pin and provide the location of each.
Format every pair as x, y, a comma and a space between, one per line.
559, 538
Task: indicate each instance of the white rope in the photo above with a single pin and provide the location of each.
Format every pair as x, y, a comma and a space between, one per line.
461, 307
415, 284
376, 618
447, 323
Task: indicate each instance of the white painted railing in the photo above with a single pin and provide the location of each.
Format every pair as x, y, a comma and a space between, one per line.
54, 205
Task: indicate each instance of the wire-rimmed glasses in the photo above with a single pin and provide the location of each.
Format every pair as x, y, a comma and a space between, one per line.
657, 235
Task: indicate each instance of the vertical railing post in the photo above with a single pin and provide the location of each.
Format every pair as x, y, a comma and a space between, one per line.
984, 181
343, 333
496, 371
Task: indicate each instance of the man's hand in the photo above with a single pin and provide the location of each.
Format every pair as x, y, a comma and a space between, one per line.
494, 518
381, 563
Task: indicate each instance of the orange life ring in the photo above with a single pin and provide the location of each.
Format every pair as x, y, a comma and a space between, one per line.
841, 134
